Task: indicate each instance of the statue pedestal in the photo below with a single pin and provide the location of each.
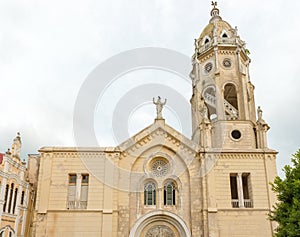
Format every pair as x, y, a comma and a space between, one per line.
159, 121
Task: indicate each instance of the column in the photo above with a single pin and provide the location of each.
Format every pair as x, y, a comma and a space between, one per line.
78, 190
2, 196
12, 200
18, 202
216, 58
25, 211
107, 219
6, 165
240, 189
212, 210
159, 197
3, 187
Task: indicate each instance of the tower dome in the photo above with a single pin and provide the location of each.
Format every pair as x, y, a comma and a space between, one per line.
222, 91
217, 32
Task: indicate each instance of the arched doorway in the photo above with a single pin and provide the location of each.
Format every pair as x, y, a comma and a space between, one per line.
160, 224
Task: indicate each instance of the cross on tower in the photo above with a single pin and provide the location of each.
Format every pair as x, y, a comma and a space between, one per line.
214, 4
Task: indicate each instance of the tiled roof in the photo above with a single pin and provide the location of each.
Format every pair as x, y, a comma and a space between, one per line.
1, 158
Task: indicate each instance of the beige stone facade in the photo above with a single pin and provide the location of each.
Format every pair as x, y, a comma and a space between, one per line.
15, 193
161, 183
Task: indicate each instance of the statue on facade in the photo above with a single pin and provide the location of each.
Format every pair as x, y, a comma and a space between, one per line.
259, 113
203, 110
159, 106
250, 91
259, 116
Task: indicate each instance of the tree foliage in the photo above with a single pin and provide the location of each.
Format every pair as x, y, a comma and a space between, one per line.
287, 211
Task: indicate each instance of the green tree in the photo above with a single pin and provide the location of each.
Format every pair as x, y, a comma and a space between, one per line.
287, 211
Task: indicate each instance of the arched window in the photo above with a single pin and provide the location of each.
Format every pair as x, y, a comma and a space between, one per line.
15, 201
169, 194
224, 35
206, 40
230, 95
10, 197
6, 196
230, 101
22, 198
209, 95
150, 194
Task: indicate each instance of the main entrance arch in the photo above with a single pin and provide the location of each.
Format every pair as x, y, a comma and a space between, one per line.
160, 224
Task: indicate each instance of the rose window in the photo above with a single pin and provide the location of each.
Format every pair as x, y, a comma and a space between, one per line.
160, 168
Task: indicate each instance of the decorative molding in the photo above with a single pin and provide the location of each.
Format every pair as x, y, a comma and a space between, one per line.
226, 52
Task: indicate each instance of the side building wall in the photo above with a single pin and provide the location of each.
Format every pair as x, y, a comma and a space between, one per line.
72, 201
241, 208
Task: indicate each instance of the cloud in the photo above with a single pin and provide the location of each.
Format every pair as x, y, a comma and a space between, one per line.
49, 47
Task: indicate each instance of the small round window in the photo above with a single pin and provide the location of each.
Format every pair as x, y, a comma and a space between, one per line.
208, 67
160, 167
236, 134
227, 62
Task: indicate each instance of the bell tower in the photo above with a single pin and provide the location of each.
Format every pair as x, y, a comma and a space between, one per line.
223, 107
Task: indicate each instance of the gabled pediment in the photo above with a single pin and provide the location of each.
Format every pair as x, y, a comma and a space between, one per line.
158, 134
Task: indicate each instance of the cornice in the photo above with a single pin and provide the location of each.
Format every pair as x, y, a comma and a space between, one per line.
79, 149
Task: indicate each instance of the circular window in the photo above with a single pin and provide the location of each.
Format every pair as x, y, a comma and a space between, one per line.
236, 134
160, 168
208, 67
227, 62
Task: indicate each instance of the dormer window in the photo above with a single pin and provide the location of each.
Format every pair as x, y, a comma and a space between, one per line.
206, 40
224, 34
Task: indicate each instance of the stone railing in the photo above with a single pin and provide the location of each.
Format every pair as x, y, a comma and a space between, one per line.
210, 99
71, 205
205, 46
226, 41
231, 110
235, 203
247, 203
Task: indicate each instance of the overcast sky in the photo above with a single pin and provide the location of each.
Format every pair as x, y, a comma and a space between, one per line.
48, 48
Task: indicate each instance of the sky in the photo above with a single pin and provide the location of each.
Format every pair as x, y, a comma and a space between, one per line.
49, 48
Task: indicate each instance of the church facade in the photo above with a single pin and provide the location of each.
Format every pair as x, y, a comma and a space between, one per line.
161, 183
15, 194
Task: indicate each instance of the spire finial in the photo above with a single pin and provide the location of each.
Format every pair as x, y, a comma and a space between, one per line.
215, 11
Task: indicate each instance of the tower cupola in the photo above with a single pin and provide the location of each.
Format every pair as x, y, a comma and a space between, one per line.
221, 84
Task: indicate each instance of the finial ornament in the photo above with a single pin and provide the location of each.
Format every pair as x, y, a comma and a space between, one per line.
215, 11
16, 146
159, 106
